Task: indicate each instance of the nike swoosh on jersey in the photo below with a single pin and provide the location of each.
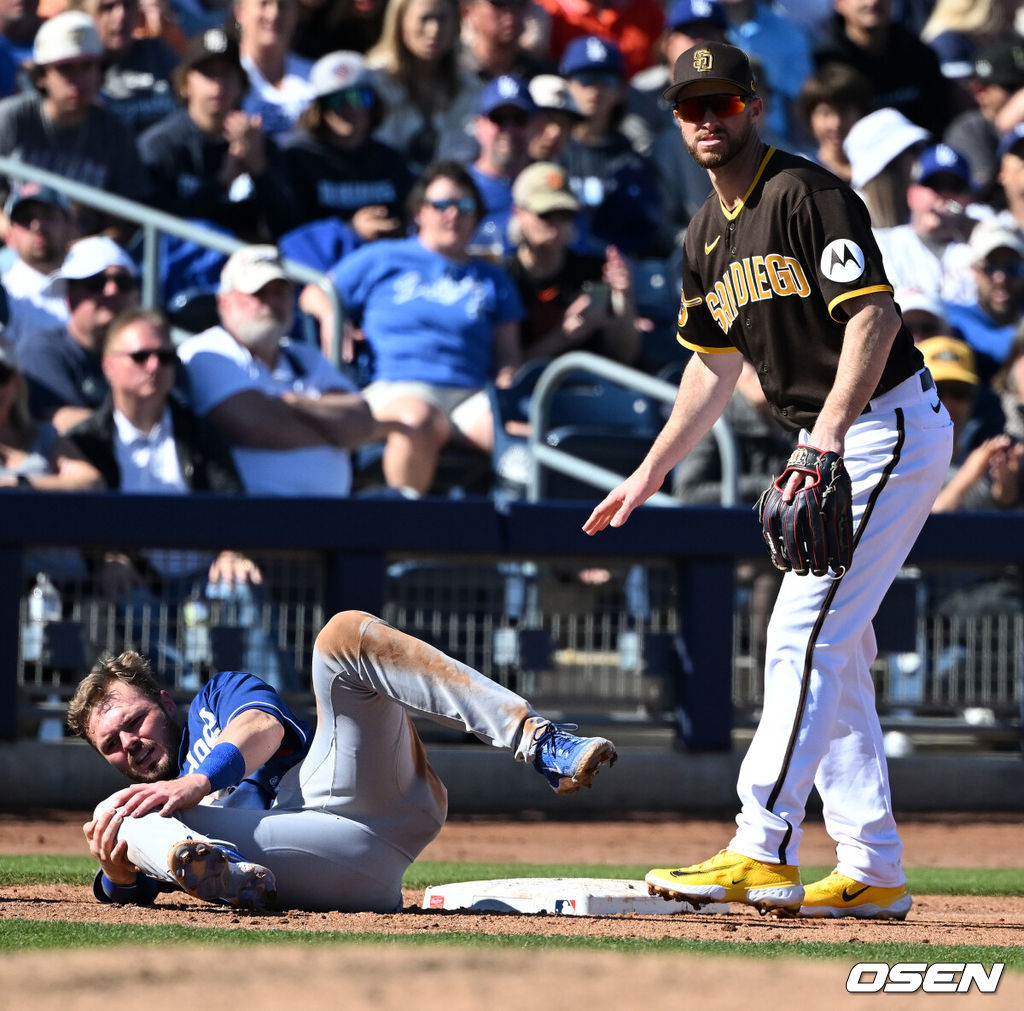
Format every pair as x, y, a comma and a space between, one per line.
850, 896
707, 248
936, 407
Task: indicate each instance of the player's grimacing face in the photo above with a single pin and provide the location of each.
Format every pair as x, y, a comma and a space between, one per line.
714, 139
136, 734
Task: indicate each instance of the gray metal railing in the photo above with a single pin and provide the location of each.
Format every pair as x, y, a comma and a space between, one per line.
154, 223
543, 455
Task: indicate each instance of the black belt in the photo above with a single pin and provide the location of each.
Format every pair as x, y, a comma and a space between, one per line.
927, 383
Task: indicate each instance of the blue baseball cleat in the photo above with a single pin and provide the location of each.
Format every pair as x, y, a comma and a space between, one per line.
569, 762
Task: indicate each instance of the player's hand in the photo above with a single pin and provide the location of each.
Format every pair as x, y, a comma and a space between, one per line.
165, 797
617, 505
110, 853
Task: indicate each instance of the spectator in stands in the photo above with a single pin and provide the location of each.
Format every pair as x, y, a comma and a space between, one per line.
61, 127
279, 89
572, 302
881, 148
143, 440
784, 51
634, 26
326, 26
137, 72
503, 124
688, 22
998, 73
904, 70
19, 22
334, 164
616, 186
430, 101
923, 315
989, 324
985, 473
440, 323
555, 118
289, 415
38, 226
1009, 384
930, 252
491, 33
211, 160
831, 101
1010, 177
32, 454
158, 20
64, 366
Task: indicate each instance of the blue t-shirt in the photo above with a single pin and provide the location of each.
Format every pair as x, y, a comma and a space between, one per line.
223, 697
427, 318
492, 232
990, 340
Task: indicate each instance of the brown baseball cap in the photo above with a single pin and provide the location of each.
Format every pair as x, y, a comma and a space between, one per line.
711, 61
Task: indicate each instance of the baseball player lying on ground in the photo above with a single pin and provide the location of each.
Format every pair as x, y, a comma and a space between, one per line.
327, 818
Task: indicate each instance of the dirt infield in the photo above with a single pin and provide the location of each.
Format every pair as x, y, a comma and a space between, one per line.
463, 979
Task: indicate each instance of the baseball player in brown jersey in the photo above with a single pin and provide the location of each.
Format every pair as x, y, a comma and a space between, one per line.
781, 268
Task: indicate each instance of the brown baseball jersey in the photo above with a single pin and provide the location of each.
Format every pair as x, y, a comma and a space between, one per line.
772, 279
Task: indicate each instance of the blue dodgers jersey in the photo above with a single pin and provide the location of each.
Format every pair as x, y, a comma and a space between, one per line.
225, 696
426, 317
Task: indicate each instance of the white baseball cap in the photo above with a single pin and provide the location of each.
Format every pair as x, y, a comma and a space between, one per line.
876, 139
990, 235
70, 35
251, 268
549, 91
337, 71
87, 258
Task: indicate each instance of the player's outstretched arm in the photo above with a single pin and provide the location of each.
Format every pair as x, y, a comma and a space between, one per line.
704, 390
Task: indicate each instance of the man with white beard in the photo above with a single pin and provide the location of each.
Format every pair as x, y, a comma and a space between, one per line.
289, 415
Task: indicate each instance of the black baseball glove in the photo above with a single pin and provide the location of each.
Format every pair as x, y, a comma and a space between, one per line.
813, 532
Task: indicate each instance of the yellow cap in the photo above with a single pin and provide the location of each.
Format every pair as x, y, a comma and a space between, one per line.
950, 360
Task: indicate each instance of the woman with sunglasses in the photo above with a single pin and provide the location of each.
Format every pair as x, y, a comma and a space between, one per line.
336, 168
431, 103
440, 325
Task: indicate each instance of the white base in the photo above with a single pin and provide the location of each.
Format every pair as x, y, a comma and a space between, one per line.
565, 896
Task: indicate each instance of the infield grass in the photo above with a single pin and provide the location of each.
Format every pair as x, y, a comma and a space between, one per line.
18, 935
67, 870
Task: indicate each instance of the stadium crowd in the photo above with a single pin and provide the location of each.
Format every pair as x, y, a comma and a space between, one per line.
488, 184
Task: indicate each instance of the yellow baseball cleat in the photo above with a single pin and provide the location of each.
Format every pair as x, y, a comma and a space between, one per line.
732, 877
838, 895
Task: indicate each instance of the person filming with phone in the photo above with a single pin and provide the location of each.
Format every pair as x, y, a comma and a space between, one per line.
573, 302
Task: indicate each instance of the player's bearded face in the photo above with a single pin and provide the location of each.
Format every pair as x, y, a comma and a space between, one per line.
731, 136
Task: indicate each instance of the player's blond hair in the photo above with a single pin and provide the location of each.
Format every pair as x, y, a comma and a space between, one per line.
129, 668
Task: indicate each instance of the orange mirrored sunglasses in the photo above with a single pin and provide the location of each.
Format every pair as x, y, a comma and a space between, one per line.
722, 106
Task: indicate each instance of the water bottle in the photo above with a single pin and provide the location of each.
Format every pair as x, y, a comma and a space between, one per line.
43, 605
197, 630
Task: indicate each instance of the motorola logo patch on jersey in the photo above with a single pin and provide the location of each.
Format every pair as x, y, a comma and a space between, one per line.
842, 261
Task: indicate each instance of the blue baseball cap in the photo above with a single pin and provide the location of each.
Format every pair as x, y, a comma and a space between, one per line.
506, 90
591, 52
1010, 140
688, 12
941, 159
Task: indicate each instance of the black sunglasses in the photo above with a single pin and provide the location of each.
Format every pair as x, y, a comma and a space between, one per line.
359, 97
97, 284
165, 356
